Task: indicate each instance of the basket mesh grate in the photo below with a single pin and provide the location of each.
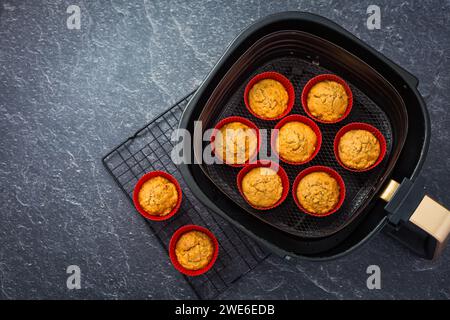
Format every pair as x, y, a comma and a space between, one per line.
287, 217
148, 150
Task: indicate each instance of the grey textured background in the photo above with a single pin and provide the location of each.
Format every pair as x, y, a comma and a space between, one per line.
68, 96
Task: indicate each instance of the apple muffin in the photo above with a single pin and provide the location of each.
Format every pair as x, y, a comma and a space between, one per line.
158, 196
262, 187
327, 100
358, 149
194, 250
268, 98
318, 192
296, 142
236, 143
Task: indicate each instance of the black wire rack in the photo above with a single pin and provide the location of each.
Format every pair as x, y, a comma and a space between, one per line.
148, 150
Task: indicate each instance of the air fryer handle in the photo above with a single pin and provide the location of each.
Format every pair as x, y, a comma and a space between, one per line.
416, 218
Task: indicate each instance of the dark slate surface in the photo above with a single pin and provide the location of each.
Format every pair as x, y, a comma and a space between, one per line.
68, 96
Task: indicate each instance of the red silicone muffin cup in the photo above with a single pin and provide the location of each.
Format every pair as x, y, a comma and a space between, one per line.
362, 126
173, 257
332, 173
274, 76
302, 119
318, 79
247, 123
138, 186
265, 163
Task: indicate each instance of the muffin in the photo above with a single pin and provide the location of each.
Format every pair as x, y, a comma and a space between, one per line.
318, 192
358, 149
268, 98
296, 142
236, 143
262, 187
194, 250
327, 100
158, 196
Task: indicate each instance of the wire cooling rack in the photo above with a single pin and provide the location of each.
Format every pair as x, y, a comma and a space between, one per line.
149, 149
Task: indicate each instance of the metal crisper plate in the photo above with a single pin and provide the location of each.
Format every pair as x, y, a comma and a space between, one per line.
287, 217
149, 149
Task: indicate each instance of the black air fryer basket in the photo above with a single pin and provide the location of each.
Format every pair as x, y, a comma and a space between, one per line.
301, 46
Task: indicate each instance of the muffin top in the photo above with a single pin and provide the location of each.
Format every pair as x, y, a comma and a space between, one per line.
296, 142
318, 192
359, 149
327, 100
262, 187
236, 143
194, 250
268, 98
158, 196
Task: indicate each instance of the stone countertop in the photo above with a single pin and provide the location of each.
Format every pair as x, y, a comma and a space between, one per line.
68, 96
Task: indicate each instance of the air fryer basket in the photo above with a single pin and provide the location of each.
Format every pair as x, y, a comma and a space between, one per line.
300, 45
283, 52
